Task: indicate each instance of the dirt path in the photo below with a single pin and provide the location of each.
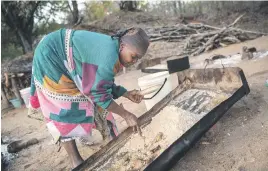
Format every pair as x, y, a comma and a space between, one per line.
241, 142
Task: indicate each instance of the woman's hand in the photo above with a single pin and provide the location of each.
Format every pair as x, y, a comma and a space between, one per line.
134, 96
130, 118
132, 121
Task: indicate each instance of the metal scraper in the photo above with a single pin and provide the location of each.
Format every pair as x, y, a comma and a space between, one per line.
173, 66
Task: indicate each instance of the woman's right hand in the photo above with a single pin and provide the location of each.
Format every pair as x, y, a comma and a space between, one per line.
132, 121
130, 118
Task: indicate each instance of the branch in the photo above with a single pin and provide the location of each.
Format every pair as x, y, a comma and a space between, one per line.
167, 38
70, 8
78, 22
248, 31
236, 20
32, 12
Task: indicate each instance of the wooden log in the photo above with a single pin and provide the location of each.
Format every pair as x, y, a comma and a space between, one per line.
4, 98
208, 44
6, 79
231, 39
168, 38
15, 88
248, 31
17, 146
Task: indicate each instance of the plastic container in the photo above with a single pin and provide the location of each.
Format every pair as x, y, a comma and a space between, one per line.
152, 81
25, 94
16, 103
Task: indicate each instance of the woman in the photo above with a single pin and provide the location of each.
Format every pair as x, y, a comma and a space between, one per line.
73, 82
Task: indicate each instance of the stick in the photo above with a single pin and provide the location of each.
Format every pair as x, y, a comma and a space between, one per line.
167, 38
236, 20
4, 99
212, 27
15, 88
248, 31
16, 146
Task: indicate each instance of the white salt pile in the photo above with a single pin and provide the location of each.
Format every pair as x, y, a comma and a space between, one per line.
166, 127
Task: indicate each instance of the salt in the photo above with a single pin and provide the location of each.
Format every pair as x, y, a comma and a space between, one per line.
166, 127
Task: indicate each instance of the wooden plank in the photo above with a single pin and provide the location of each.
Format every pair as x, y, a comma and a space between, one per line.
4, 99
15, 88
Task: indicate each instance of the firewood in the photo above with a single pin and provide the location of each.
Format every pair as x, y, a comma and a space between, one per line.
17, 146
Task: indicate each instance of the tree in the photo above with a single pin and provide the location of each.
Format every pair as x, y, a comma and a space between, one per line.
128, 5
19, 16
175, 7
181, 8
75, 13
98, 9
200, 9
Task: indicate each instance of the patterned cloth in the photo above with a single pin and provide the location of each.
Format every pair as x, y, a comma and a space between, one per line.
73, 82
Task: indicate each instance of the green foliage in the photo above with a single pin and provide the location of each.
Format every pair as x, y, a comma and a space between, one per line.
32, 18
99, 9
46, 28
143, 5
10, 51
48, 11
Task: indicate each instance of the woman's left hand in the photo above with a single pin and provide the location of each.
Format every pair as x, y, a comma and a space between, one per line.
134, 96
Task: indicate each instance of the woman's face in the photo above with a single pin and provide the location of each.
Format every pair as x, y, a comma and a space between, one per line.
128, 55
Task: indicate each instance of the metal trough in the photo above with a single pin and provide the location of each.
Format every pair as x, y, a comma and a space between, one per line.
227, 80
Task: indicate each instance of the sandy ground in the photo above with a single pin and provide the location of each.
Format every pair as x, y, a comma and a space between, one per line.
239, 143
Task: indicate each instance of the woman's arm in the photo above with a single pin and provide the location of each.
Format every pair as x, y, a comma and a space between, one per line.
130, 118
118, 91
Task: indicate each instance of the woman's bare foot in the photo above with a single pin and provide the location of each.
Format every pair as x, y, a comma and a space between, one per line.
73, 153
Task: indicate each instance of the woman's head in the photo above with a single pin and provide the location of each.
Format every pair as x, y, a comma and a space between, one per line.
134, 43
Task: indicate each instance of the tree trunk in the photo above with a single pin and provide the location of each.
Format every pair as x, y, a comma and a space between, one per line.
182, 8
20, 22
75, 12
128, 5
200, 10
195, 8
24, 42
175, 8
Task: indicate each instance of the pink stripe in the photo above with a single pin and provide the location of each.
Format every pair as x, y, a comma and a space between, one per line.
64, 128
71, 57
87, 127
88, 77
48, 106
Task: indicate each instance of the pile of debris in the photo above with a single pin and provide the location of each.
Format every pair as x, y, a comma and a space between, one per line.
16, 75
201, 37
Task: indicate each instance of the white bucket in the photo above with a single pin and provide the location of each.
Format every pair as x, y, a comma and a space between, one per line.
25, 94
155, 80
